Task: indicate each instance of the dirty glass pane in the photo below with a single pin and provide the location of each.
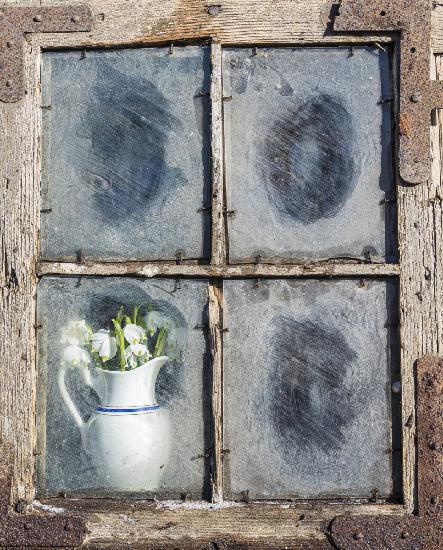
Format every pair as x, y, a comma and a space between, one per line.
308, 153
126, 153
127, 438
308, 367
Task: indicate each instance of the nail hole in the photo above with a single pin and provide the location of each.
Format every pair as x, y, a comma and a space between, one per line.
413, 50
382, 13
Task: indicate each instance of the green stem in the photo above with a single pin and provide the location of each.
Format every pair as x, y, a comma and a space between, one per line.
135, 314
160, 343
121, 341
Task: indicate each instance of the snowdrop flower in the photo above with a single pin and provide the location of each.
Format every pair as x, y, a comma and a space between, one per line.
104, 344
155, 320
75, 356
139, 350
131, 359
134, 334
76, 333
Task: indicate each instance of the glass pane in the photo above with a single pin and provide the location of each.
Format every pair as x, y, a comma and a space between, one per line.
126, 153
131, 434
308, 367
308, 153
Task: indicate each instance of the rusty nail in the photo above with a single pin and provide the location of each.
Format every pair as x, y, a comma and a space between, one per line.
257, 283
416, 97
357, 536
80, 256
20, 506
214, 9
37, 18
254, 51
396, 387
171, 48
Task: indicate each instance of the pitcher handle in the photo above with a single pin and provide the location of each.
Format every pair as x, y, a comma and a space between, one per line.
69, 403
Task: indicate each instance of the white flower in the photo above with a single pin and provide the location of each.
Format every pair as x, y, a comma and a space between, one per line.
139, 350
131, 359
134, 334
75, 356
104, 344
76, 333
155, 320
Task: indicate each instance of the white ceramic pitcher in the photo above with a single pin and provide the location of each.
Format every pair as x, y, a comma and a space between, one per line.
128, 436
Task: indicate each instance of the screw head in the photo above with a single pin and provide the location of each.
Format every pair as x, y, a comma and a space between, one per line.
37, 18
416, 97
357, 536
396, 387
214, 10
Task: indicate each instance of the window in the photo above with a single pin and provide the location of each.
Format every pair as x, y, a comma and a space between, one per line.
308, 364
248, 194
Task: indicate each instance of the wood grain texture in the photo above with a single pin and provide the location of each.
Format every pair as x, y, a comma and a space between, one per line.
19, 200
198, 525
421, 288
218, 236
151, 269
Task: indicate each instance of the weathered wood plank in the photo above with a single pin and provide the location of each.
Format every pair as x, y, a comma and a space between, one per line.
196, 525
150, 269
215, 328
19, 203
218, 240
421, 288
247, 21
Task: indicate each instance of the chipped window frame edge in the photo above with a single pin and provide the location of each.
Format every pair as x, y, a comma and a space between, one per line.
26, 280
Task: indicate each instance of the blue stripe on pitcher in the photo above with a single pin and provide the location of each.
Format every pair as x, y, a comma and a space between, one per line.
116, 410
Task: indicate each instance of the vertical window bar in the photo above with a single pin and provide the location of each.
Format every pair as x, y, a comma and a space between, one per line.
218, 239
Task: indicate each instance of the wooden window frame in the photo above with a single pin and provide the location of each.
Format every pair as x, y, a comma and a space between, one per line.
117, 523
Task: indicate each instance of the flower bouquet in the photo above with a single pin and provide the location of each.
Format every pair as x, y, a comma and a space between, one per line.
129, 342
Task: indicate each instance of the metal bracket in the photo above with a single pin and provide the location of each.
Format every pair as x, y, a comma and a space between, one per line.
425, 530
15, 22
419, 96
28, 530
